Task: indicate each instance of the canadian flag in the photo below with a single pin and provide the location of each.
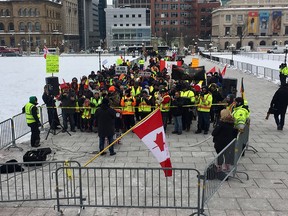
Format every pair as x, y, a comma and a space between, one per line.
46, 51
151, 132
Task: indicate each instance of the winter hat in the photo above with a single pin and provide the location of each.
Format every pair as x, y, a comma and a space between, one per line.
111, 89
145, 91
33, 99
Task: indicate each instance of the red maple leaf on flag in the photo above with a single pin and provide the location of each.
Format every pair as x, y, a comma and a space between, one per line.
159, 141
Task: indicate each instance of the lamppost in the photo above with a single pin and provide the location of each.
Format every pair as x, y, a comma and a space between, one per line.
99, 50
232, 46
124, 47
166, 38
210, 49
286, 51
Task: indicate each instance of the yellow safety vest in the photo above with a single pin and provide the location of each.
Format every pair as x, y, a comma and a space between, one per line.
96, 103
28, 111
188, 94
143, 107
128, 107
135, 92
86, 114
205, 106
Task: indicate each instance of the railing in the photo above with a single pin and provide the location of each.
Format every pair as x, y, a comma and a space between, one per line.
129, 188
259, 71
224, 165
16, 127
28, 182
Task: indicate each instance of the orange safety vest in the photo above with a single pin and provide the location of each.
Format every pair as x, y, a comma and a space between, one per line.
128, 106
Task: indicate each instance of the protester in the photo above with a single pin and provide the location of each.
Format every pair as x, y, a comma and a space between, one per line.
223, 134
204, 102
105, 116
188, 99
163, 101
145, 104
177, 111
49, 100
68, 103
241, 114
32, 120
279, 104
128, 102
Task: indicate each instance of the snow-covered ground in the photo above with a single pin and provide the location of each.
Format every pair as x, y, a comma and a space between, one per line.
23, 77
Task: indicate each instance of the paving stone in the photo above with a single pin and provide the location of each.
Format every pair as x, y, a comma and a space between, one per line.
262, 193
254, 204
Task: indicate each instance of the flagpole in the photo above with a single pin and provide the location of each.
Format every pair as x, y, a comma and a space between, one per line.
116, 140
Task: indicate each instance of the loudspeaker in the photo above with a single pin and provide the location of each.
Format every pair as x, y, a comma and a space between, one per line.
229, 86
53, 83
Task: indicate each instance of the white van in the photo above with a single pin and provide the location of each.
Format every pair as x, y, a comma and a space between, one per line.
245, 49
277, 49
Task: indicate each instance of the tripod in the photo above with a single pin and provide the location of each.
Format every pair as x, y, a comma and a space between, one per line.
54, 124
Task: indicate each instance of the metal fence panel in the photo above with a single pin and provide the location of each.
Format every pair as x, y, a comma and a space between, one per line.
129, 187
33, 183
20, 126
6, 137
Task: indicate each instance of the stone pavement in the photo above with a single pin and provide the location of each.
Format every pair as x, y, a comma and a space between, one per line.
264, 194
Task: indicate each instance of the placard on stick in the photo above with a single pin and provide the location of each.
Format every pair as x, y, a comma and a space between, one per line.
52, 64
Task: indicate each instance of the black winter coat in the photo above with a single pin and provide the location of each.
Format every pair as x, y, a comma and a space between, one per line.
280, 100
177, 109
105, 120
223, 134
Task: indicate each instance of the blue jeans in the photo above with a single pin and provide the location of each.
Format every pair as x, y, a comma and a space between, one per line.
102, 143
203, 121
178, 123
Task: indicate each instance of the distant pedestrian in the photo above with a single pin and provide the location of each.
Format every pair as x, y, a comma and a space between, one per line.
177, 112
105, 116
32, 119
279, 104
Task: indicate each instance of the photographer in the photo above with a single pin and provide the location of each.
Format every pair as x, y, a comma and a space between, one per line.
68, 103
49, 100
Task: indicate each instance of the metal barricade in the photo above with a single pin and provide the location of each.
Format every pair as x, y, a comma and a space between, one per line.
20, 126
6, 136
129, 188
30, 182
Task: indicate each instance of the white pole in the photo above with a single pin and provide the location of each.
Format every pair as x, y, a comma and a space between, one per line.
85, 26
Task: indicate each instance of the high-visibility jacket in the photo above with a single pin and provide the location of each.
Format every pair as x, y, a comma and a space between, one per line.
135, 92
240, 115
284, 71
165, 106
151, 89
96, 103
141, 62
86, 114
143, 106
204, 104
188, 94
128, 104
28, 111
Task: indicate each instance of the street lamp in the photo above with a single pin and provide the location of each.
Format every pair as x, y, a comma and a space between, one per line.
166, 38
99, 50
124, 47
210, 49
232, 46
286, 51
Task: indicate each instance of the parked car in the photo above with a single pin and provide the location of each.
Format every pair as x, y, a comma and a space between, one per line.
277, 49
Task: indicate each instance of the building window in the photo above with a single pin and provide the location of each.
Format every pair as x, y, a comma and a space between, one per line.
164, 6
139, 15
37, 27
121, 24
115, 16
239, 30
227, 31
11, 27
1, 27
139, 34
127, 15
22, 27
228, 18
174, 14
29, 26
286, 30
127, 24
133, 24
30, 12
133, 15
121, 16
25, 12
115, 25
240, 18
139, 24
163, 15
174, 6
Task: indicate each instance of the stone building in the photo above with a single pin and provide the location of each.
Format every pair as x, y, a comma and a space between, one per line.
35, 23
254, 23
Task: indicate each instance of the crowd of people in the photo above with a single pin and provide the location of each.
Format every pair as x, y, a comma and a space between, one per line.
133, 96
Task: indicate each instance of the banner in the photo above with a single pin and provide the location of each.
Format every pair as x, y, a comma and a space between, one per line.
276, 21
195, 62
121, 70
264, 21
52, 63
253, 21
